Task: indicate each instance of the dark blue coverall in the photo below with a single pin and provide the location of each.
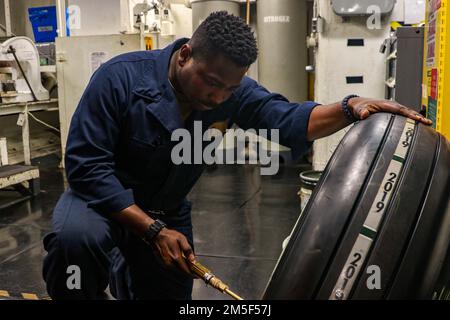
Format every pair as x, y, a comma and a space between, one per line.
118, 154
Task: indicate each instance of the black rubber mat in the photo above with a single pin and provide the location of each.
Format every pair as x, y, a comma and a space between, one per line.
377, 225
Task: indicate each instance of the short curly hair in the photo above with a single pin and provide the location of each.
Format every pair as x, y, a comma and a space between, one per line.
225, 33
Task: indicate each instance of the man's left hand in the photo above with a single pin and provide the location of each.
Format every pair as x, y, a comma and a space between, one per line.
364, 107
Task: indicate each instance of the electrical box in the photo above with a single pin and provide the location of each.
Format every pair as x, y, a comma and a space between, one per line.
404, 67
436, 72
347, 8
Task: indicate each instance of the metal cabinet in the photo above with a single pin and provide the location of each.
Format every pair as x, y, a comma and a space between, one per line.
404, 60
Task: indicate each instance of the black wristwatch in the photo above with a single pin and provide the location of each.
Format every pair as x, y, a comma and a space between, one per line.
153, 230
348, 114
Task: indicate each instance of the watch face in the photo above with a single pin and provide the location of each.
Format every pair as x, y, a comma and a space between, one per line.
160, 223
154, 229
362, 7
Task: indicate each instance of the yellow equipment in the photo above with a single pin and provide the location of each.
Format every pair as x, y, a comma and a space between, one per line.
436, 75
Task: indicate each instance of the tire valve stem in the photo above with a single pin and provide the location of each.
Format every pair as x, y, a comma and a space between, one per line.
210, 279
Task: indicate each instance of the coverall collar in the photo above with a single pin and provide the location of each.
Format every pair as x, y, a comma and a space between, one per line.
155, 86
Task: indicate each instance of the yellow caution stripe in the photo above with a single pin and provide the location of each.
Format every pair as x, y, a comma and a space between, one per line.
22, 295
30, 296
4, 293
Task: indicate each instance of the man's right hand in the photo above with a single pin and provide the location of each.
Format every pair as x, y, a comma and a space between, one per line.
172, 246
169, 244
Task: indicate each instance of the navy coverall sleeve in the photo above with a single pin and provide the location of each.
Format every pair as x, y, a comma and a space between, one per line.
261, 109
92, 139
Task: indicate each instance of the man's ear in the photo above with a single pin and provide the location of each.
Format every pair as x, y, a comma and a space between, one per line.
185, 54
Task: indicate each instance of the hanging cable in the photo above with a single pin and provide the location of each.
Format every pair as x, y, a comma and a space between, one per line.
42, 122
